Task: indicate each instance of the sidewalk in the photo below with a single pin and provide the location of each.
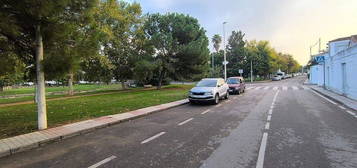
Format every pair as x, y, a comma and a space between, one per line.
28, 141
338, 98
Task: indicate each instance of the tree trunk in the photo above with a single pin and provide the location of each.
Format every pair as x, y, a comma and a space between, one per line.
40, 76
159, 84
70, 83
123, 84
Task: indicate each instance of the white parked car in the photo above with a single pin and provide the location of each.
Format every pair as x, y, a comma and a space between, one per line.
209, 90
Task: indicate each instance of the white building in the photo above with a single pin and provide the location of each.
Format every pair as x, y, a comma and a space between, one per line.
340, 67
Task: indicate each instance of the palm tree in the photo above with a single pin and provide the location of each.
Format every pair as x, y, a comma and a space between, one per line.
216, 40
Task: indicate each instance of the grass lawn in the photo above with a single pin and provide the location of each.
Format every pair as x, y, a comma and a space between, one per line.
15, 120
29, 90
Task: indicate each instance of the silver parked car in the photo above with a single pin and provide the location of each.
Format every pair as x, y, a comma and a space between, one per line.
276, 78
209, 89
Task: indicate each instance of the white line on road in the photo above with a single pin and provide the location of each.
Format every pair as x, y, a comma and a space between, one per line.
248, 88
324, 97
341, 107
269, 117
350, 112
266, 87
285, 88
257, 88
206, 111
261, 154
295, 88
103, 162
275, 88
153, 137
184, 122
270, 112
218, 105
267, 125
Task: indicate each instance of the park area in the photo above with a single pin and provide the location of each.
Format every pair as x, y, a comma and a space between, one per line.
20, 116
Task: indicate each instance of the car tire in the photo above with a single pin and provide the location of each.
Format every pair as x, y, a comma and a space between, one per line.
216, 99
238, 92
193, 102
227, 95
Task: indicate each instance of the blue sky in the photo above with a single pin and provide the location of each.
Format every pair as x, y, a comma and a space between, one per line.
290, 25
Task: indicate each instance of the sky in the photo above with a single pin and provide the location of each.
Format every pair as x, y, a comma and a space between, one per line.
291, 26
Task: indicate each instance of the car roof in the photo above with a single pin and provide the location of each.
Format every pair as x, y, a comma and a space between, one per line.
239, 77
212, 78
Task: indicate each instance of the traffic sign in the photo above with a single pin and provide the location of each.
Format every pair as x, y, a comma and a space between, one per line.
319, 59
225, 62
240, 71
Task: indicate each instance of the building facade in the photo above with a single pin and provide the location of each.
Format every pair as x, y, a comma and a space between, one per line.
339, 68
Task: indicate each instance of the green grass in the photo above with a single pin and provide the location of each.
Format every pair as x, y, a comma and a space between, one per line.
15, 120
29, 90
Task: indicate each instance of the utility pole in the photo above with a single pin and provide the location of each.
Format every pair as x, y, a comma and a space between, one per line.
224, 52
251, 71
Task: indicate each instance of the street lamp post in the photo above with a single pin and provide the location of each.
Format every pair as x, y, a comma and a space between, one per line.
224, 52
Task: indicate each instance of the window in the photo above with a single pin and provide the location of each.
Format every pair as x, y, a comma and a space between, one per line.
207, 83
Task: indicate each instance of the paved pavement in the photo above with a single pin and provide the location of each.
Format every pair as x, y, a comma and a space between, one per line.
272, 125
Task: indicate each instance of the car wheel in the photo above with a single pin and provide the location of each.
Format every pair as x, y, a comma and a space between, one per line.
238, 92
193, 102
227, 95
216, 99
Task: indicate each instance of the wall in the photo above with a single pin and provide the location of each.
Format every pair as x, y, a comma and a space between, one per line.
334, 72
316, 75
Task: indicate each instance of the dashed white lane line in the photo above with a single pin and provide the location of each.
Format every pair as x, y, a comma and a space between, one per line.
206, 111
269, 118
267, 125
350, 112
184, 122
341, 107
270, 112
103, 162
153, 137
324, 97
262, 148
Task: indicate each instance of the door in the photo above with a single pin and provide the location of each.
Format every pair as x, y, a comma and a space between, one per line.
344, 78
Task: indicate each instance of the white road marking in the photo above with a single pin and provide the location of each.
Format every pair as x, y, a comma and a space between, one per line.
350, 112
324, 97
305, 88
285, 88
218, 105
103, 162
341, 107
248, 88
267, 125
272, 106
228, 101
270, 112
184, 122
153, 137
257, 88
275, 88
235, 98
295, 88
269, 118
262, 148
206, 111
267, 87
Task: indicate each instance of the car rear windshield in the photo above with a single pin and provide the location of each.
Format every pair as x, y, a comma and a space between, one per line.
233, 81
207, 83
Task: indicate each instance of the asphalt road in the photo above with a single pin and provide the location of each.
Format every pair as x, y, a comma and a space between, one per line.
272, 125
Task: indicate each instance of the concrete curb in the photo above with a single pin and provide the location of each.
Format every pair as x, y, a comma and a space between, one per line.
332, 98
32, 140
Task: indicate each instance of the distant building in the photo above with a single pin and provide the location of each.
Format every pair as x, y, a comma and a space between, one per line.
338, 71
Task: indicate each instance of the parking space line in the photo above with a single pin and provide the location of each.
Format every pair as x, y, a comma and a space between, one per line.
153, 137
269, 118
341, 107
206, 111
184, 122
324, 97
103, 162
350, 112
